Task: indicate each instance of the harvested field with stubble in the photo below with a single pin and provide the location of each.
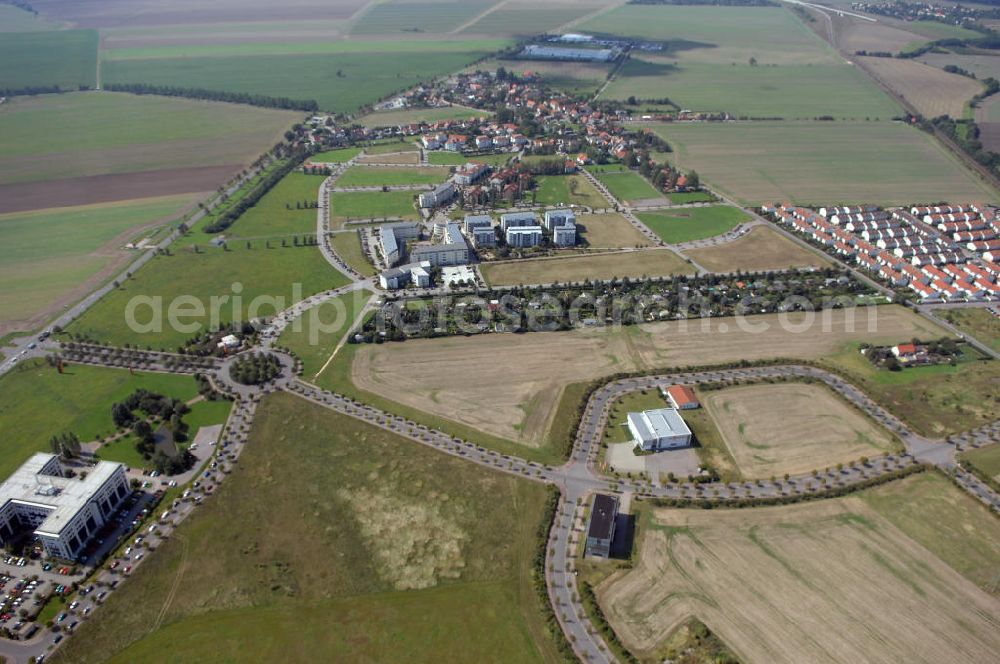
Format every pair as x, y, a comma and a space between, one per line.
650, 263
832, 581
452, 377
609, 231
931, 90
760, 249
773, 429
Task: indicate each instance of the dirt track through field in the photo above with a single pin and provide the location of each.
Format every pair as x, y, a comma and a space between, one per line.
509, 385
25, 196
831, 581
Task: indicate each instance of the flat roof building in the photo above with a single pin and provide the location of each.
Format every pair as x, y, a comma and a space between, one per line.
443, 193
515, 219
524, 236
660, 429
64, 512
601, 529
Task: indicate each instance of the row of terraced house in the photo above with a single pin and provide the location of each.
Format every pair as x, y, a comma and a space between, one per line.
942, 253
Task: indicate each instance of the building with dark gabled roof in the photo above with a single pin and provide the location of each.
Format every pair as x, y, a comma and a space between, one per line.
601, 529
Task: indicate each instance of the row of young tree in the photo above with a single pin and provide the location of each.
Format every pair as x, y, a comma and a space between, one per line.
265, 101
226, 219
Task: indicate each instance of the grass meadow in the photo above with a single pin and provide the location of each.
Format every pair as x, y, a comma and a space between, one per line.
49, 253
371, 205
402, 554
276, 215
625, 185
649, 263
568, 190
37, 402
314, 336
693, 223
348, 247
276, 277
978, 323
822, 163
366, 176
761, 249
66, 59
458, 159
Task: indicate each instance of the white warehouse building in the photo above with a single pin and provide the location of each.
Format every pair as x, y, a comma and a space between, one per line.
64, 512
660, 429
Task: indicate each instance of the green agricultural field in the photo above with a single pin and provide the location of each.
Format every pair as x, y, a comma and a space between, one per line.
73, 135
975, 322
934, 400
410, 571
48, 254
458, 159
340, 82
377, 176
625, 185
339, 156
789, 91
372, 205
314, 336
822, 162
406, 16
273, 279
728, 59
276, 214
37, 402
66, 59
413, 115
15, 19
568, 190
348, 247
693, 223
527, 19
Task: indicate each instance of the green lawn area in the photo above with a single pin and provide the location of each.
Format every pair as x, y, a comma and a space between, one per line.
377, 176
693, 223
348, 247
276, 214
37, 402
338, 81
66, 59
270, 280
568, 190
89, 133
624, 184
49, 253
402, 554
458, 159
372, 205
338, 156
977, 323
617, 427
934, 400
314, 335
821, 162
